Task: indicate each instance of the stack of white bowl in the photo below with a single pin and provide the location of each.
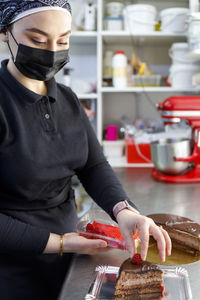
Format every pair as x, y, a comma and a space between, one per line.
183, 66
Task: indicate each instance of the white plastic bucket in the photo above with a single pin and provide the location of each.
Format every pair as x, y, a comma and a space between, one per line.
194, 35
181, 75
179, 53
114, 9
139, 18
174, 19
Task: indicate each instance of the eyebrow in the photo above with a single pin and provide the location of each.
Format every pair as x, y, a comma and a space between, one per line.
45, 33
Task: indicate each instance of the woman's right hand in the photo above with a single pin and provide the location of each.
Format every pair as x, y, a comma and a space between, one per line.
74, 243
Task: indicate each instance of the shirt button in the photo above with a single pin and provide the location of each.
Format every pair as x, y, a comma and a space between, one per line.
44, 100
47, 116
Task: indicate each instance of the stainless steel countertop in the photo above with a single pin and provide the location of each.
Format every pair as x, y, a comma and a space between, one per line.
149, 196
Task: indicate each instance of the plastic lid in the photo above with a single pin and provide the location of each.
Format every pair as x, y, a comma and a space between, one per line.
114, 3
194, 16
174, 10
119, 52
180, 46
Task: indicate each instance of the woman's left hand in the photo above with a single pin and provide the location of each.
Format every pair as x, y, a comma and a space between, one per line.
130, 222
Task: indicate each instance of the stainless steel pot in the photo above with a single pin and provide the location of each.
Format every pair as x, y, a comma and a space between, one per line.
163, 152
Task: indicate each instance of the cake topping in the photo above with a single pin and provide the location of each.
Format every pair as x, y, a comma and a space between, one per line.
177, 222
137, 260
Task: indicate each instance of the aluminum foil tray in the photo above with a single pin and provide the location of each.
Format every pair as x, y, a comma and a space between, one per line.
176, 283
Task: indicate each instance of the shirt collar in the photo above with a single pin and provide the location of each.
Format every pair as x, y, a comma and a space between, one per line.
30, 96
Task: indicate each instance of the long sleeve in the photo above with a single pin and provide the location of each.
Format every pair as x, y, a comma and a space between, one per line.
97, 176
19, 238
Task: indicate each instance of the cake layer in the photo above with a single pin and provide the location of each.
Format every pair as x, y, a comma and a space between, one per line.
151, 296
183, 231
131, 280
145, 294
184, 239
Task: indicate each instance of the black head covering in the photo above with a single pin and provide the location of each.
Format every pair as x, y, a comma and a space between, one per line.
9, 9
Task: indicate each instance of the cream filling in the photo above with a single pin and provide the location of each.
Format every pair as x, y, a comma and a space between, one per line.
138, 281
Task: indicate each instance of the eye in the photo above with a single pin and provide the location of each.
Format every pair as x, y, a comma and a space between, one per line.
63, 43
38, 42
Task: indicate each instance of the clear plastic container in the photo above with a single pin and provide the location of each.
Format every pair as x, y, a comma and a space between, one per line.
146, 80
104, 230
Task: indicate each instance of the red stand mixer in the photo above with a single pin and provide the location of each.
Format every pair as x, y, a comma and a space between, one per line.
173, 110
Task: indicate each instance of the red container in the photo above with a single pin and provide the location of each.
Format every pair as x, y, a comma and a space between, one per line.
138, 154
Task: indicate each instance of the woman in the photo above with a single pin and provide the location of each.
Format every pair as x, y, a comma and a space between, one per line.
45, 139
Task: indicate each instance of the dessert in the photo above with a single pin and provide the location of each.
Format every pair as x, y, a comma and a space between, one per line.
139, 279
184, 232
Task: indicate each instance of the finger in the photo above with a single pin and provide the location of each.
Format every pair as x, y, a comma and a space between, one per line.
168, 241
134, 248
157, 233
130, 244
144, 237
96, 243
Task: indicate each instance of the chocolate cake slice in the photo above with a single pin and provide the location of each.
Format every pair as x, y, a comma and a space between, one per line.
184, 232
139, 281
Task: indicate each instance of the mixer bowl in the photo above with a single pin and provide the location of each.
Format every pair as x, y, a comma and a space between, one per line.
163, 152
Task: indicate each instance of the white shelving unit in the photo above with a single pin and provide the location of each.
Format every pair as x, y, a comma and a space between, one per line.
123, 37
148, 89
122, 162
87, 50
87, 96
83, 36
112, 102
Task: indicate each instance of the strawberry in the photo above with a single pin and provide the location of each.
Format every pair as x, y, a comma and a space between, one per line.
137, 259
162, 289
89, 228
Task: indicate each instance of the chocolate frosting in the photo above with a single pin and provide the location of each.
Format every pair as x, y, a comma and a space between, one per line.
145, 266
177, 222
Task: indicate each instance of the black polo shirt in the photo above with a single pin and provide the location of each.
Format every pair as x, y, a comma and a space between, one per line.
44, 141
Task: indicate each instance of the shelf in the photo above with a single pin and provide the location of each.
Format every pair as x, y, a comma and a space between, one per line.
123, 37
89, 37
120, 162
148, 89
153, 46
87, 96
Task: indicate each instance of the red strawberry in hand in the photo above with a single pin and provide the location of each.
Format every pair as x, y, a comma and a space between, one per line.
89, 228
137, 260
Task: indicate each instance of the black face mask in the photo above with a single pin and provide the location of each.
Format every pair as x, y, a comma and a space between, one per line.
37, 63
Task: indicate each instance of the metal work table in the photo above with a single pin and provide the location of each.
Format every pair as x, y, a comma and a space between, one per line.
149, 196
